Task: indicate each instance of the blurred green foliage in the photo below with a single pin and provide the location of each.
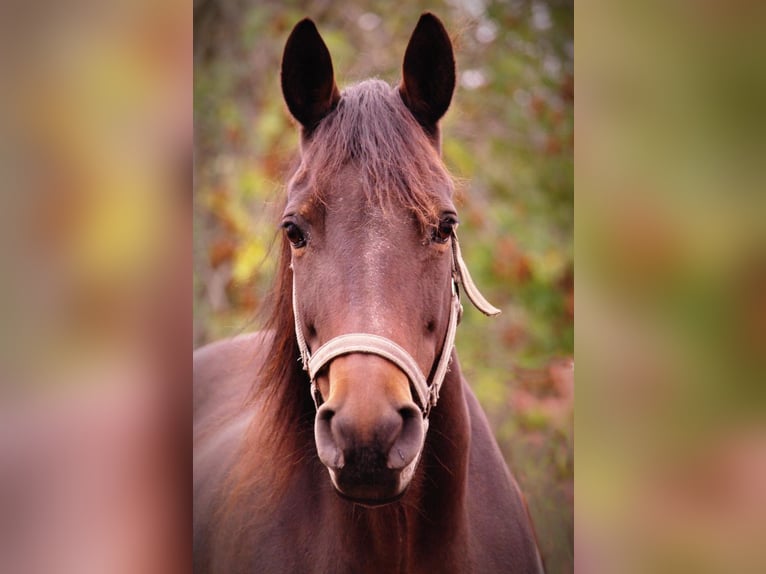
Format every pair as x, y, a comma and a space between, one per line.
508, 139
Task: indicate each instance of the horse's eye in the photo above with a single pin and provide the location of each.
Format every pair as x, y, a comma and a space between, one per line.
294, 234
443, 231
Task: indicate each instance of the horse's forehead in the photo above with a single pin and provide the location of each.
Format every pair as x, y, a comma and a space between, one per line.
347, 195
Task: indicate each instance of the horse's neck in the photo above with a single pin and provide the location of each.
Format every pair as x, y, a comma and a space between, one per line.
443, 469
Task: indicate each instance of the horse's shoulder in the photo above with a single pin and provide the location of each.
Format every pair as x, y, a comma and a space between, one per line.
503, 527
229, 356
224, 374
225, 370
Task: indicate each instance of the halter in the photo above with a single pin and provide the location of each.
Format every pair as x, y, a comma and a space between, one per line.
427, 395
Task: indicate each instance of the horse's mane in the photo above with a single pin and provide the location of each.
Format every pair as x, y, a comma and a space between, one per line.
399, 167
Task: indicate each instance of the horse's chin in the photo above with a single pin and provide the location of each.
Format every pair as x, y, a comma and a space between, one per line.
389, 489
372, 502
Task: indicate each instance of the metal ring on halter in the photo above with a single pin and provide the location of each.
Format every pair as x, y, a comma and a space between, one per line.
426, 395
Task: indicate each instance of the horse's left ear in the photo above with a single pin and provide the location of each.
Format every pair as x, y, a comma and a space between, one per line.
429, 72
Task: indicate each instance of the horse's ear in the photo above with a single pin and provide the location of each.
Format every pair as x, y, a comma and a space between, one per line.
429, 72
308, 83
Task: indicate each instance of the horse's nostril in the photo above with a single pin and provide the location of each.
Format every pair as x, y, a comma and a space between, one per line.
325, 414
409, 442
327, 449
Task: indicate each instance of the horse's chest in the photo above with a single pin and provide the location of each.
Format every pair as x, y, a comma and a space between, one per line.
323, 540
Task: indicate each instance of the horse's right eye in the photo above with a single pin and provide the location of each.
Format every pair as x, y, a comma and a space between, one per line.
294, 234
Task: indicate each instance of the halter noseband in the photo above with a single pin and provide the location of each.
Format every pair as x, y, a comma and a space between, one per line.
427, 395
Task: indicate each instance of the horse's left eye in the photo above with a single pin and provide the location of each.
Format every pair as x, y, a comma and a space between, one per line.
443, 231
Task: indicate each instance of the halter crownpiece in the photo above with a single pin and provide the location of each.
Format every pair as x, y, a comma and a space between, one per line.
426, 395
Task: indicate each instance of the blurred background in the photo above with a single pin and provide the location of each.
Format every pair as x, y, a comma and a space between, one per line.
508, 139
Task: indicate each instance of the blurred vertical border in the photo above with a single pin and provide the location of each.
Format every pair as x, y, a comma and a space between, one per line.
95, 227
671, 287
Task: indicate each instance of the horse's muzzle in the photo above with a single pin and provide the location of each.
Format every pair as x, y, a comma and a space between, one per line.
369, 433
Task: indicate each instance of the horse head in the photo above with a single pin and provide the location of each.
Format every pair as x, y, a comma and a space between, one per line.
370, 222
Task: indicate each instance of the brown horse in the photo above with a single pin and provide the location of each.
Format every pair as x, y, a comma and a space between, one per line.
358, 350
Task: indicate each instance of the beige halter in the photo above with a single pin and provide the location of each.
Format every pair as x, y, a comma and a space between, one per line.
426, 395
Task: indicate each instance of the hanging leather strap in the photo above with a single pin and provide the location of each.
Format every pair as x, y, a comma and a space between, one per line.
465, 280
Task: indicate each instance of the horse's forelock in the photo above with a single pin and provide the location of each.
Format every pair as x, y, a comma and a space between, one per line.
398, 163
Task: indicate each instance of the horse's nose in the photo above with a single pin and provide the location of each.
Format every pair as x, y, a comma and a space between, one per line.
369, 422
393, 443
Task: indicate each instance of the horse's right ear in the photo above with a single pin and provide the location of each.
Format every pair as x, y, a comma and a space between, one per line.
308, 83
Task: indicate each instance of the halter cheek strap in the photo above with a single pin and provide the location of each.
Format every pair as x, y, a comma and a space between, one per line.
426, 395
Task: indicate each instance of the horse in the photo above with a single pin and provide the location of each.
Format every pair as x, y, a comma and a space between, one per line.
343, 436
